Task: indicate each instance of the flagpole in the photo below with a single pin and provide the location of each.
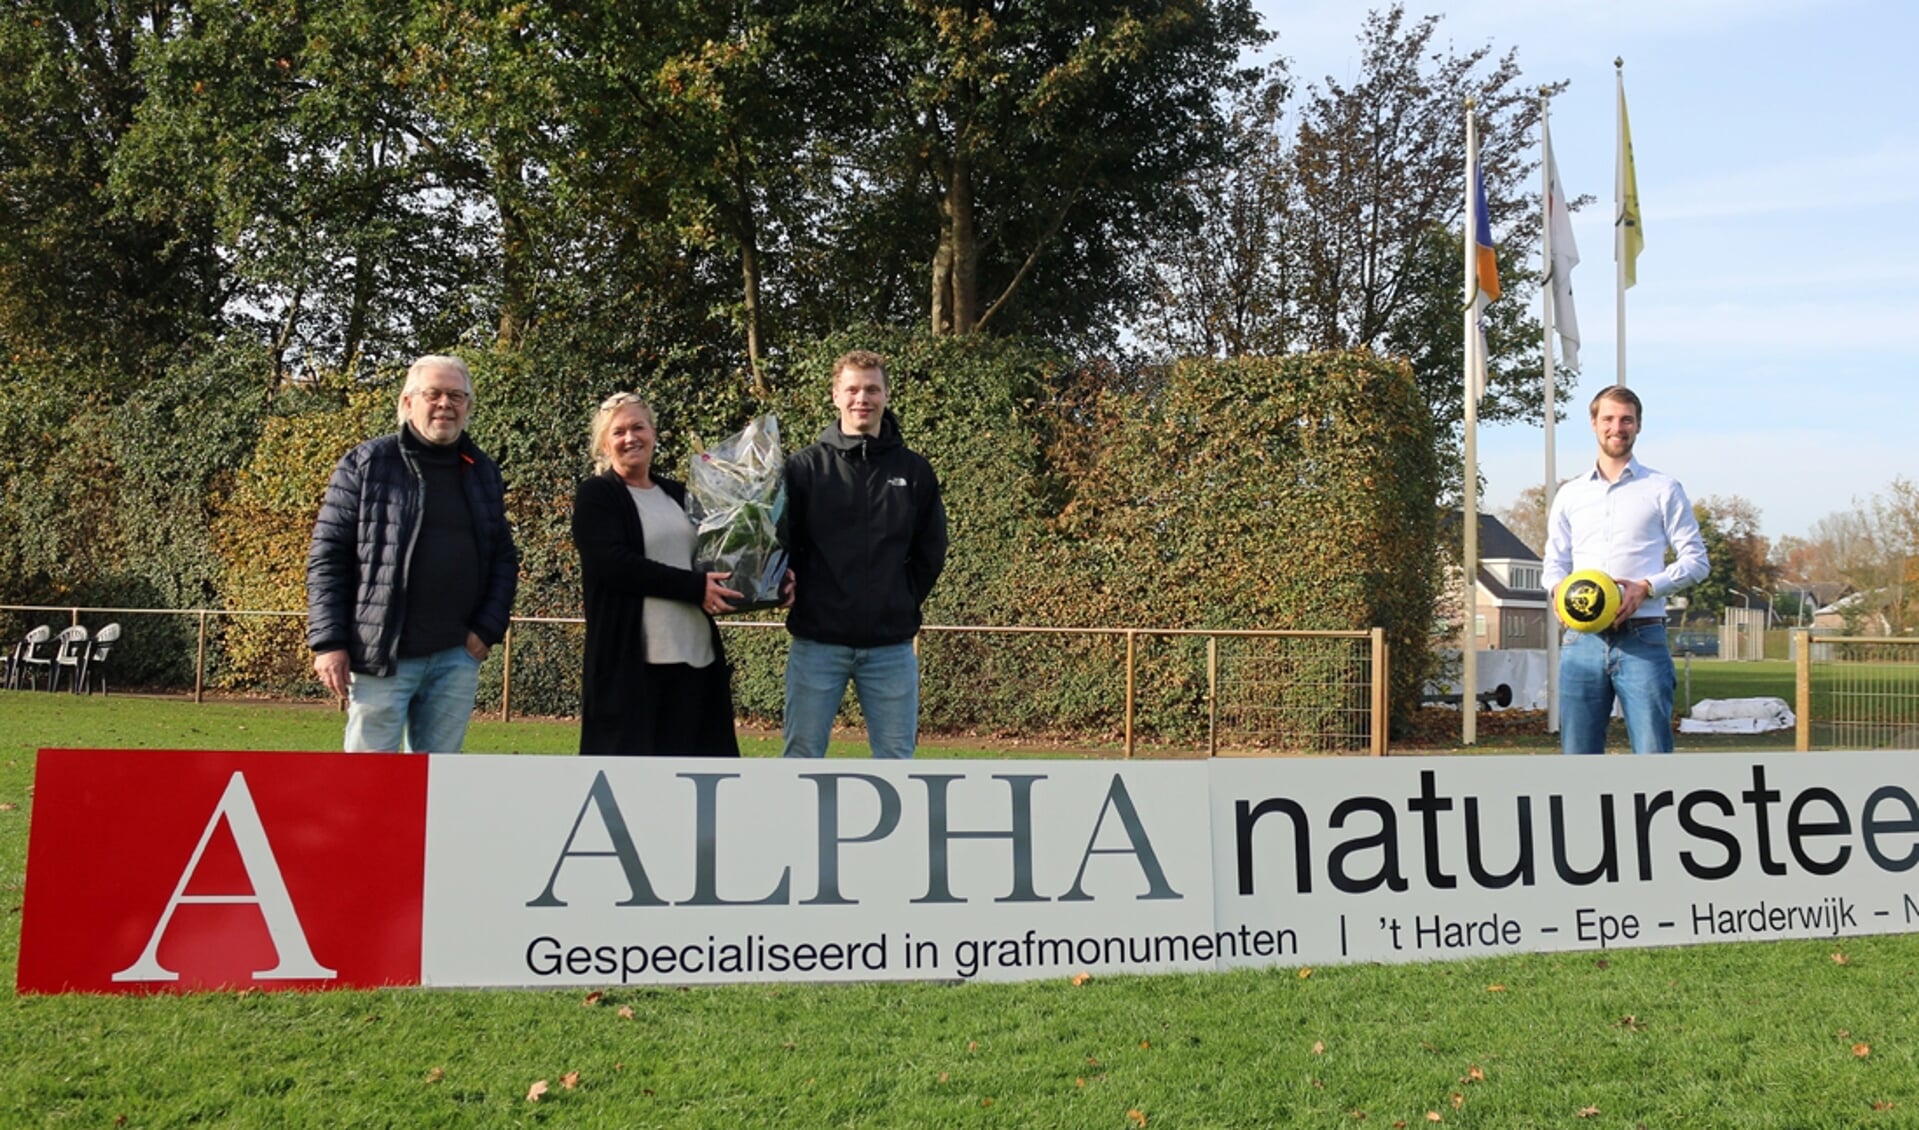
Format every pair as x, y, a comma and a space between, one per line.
1469, 641
1619, 220
1546, 317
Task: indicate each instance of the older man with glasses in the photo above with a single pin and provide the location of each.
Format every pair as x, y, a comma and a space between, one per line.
412, 571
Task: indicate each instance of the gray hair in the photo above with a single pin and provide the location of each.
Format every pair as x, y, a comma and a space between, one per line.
424, 365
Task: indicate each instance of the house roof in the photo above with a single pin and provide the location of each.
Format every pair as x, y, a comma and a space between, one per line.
1496, 542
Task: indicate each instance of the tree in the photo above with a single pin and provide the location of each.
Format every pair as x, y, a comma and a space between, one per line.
1526, 518
1222, 289
85, 276
1042, 139
1715, 591
355, 227
1357, 236
1747, 550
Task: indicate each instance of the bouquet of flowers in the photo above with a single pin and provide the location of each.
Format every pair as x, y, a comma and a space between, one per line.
736, 492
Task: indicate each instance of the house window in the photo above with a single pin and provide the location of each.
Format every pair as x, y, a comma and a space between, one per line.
1479, 625
1525, 576
1515, 628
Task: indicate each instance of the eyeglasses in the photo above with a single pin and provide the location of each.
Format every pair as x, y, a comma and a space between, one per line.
453, 396
621, 400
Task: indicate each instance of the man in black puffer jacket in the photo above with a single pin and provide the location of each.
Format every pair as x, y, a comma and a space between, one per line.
412, 571
865, 532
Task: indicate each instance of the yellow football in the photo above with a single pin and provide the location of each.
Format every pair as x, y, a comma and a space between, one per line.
1588, 601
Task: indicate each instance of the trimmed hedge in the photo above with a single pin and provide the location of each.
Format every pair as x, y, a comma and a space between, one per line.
1292, 492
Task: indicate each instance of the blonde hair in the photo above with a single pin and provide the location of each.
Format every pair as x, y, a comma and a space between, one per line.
603, 423
420, 368
861, 359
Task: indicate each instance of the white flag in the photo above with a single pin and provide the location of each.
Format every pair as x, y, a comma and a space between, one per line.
1565, 256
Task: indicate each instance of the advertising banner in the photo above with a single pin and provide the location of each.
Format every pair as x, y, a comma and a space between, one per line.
181, 871
1435, 857
592, 871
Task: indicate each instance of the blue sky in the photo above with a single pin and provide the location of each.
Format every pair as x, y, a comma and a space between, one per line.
1774, 330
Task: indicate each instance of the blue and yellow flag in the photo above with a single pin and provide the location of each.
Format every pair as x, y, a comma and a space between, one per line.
1486, 268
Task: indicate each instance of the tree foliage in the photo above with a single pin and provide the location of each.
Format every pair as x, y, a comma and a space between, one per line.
1873, 547
231, 222
1339, 225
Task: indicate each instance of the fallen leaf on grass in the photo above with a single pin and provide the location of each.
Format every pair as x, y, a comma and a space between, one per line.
436, 1074
1495, 988
1862, 1050
118, 1119
570, 1080
626, 1012
788, 1046
1840, 959
1882, 1105
8, 806
1319, 1047
1358, 1115
1629, 1022
1080, 1082
1433, 1116
1091, 1061
1474, 1074
972, 1045
1081, 978
1145, 1045
1588, 1112
986, 1102
1137, 1118
534, 1092
592, 999
1305, 973
1459, 1100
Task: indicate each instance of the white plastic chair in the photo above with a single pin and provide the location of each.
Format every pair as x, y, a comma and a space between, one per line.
27, 659
97, 652
69, 651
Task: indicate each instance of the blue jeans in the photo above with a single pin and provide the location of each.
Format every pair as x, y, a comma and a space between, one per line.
1631, 661
887, 680
423, 707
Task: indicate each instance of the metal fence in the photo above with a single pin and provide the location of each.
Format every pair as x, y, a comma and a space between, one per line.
1260, 690
1857, 692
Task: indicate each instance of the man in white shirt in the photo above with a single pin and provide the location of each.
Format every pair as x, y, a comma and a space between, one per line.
1621, 518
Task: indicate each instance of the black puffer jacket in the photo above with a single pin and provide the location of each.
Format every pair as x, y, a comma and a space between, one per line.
363, 545
865, 531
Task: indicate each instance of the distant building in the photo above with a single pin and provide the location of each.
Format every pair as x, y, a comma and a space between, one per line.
1511, 610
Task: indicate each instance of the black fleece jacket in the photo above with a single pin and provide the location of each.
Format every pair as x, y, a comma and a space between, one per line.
865, 531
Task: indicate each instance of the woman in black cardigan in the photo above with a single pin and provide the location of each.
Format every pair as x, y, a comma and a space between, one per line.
656, 681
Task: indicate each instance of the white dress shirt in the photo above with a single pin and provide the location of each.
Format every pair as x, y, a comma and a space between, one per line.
1623, 529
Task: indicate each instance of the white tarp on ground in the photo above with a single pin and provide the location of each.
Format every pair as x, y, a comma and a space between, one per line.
1738, 716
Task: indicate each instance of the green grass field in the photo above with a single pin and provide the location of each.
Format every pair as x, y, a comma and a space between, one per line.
1791, 1034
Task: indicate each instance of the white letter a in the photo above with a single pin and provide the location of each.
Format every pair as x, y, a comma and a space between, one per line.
270, 895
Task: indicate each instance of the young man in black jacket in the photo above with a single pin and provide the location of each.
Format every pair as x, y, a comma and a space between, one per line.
866, 537
412, 571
